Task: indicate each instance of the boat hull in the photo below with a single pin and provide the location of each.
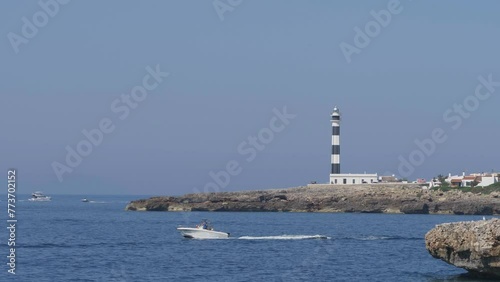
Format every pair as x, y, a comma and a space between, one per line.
47, 199
39, 197
197, 233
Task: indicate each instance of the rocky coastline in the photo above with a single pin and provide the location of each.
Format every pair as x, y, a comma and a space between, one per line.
474, 245
366, 198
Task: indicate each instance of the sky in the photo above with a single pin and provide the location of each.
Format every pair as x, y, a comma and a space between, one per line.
202, 96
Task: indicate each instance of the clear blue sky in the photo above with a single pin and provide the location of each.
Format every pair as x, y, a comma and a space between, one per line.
227, 76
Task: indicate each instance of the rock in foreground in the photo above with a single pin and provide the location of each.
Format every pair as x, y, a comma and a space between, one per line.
474, 246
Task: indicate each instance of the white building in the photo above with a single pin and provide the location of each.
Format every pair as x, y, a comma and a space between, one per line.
483, 179
335, 176
488, 180
351, 178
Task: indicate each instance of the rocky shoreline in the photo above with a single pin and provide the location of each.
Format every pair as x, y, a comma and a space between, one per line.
473, 245
367, 198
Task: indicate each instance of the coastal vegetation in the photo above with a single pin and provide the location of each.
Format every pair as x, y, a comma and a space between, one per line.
476, 189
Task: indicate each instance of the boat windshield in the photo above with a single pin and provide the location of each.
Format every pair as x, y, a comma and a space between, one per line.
205, 224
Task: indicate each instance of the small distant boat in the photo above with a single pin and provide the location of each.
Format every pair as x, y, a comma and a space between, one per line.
85, 200
202, 231
39, 197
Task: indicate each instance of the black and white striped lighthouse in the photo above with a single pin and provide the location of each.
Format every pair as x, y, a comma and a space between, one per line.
335, 141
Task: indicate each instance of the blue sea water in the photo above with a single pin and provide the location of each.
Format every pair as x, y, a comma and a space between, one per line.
68, 240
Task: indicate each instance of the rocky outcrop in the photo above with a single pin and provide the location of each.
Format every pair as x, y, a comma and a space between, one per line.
474, 246
367, 198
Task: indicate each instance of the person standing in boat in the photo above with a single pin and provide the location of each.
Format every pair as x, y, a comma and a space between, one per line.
203, 225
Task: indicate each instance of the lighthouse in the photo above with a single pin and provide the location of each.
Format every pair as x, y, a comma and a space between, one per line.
335, 141
345, 178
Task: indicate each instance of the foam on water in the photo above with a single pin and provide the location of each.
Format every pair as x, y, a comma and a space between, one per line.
374, 238
284, 237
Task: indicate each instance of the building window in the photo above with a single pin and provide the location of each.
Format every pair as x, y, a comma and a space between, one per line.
354, 181
345, 180
335, 181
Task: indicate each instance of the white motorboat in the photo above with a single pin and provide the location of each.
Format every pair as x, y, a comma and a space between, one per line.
202, 231
39, 197
85, 200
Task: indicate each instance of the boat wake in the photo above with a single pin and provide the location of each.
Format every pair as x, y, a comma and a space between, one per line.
284, 237
376, 238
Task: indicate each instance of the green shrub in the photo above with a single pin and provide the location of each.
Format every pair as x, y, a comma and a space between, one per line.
476, 190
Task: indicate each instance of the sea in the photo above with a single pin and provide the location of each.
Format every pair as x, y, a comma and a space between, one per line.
69, 240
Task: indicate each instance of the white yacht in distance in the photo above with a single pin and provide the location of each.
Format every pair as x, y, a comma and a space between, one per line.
202, 231
39, 197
